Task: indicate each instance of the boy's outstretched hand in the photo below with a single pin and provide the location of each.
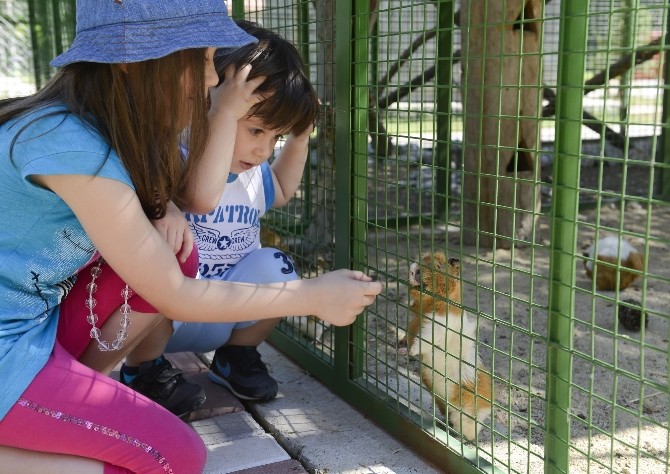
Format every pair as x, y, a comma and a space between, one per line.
343, 295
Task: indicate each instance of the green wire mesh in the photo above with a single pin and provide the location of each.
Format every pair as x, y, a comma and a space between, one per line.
580, 374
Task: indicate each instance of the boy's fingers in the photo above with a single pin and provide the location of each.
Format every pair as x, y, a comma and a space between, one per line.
185, 245
230, 71
242, 72
189, 241
256, 81
185, 252
180, 241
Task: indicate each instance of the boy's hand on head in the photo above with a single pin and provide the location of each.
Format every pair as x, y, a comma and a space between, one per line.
175, 231
236, 94
304, 136
343, 295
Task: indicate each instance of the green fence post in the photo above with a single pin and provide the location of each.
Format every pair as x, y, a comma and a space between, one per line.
237, 10
343, 166
52, 27
443, 86
304, 40
665, 132
565, 206
359, 161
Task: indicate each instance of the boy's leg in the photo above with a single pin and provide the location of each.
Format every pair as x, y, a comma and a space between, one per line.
253, 335
237, 363
152, 346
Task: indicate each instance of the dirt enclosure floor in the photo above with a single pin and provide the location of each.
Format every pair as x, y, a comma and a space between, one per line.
619, 398
619, 404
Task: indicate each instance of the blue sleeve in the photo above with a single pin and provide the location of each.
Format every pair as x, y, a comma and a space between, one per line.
268, 186
55, 143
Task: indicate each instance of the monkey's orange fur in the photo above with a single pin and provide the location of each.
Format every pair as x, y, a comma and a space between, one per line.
443, 335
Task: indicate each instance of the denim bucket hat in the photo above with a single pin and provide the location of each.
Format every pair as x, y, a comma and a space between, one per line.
126, 31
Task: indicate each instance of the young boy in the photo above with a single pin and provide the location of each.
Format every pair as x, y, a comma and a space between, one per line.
228, 238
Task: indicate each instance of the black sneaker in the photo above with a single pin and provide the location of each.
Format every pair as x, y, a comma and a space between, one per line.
241, 370
165, 385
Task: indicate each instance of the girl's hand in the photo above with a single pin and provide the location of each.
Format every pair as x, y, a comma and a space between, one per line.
175, 231
343, 295
236, 94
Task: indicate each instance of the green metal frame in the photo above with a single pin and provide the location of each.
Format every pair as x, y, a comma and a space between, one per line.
565, 206
443, 78
665, 134
354, 132
352, 102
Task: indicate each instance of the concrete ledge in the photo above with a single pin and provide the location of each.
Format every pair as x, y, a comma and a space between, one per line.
235, 442
285, 467
323, 432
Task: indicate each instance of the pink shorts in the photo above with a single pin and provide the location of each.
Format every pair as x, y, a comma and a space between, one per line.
71, 409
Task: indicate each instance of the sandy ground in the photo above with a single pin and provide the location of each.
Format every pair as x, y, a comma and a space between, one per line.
619, 405
619, 398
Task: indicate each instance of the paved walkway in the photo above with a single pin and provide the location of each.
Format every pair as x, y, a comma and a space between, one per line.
305, 429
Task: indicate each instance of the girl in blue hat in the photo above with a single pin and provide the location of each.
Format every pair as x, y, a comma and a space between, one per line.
86, 164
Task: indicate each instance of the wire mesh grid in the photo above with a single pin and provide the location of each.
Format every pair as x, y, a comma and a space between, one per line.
578, 373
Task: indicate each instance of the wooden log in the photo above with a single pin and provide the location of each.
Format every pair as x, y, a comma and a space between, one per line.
502, 79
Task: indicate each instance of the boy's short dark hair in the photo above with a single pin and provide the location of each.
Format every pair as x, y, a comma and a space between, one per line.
292, 104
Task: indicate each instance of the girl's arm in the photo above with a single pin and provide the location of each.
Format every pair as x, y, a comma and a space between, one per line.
288, 168
230, 102
112, 216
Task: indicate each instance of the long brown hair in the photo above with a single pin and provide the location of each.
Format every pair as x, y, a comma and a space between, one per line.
140, 110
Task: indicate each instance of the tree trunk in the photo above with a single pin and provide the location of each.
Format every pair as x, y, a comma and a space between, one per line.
502, 76
320, 234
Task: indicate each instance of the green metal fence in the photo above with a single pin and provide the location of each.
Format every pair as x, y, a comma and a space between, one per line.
511, 135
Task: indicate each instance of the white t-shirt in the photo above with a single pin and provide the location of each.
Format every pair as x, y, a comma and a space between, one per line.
232, 229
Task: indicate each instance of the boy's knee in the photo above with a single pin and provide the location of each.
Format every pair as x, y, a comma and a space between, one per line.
264, 265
